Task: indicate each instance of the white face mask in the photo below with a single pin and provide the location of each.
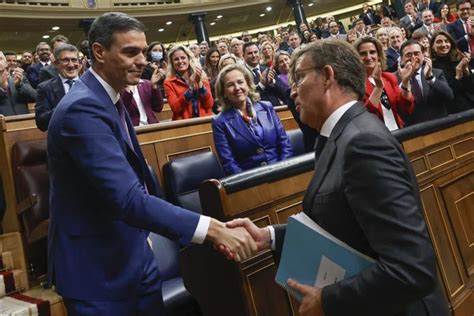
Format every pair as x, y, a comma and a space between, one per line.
156, 56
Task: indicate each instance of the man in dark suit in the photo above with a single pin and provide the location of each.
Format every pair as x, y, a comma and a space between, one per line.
51, 71
100, 210
429, 85
395, 40
270, 89
363, 192
15, 91
462, 30
66, 60
368, 15
411, 20
32, 73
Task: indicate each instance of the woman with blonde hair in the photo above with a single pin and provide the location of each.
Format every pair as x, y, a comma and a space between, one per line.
382, 36
267, 53
186, 86
247, 133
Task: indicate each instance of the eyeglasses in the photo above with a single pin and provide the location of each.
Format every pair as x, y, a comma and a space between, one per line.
66, 61
297, 80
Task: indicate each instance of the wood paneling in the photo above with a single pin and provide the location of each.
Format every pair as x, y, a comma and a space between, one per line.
444, 164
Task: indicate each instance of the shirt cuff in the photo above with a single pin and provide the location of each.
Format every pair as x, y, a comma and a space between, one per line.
272, 236
201, 230
261, 86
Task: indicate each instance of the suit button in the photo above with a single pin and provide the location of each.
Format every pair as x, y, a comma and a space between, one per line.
260, 151
263, 163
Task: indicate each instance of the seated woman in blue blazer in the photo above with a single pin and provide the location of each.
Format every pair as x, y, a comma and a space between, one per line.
247, 133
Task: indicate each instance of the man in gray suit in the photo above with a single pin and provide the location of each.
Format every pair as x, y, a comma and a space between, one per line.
363, 191
15, 91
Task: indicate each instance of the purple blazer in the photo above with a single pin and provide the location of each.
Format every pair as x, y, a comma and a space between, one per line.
237, 146
152, 102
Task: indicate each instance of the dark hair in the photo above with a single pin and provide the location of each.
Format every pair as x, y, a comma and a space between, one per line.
9, 54
248, 44
459, 2
211, 71
450, 17
84, 49
150, 48
105, 26
348, 69
409, 43
454, 53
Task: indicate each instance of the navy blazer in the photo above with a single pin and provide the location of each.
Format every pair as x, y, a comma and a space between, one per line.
456, 30
100, 212
32, 73
237, 146
49, 93
393, 58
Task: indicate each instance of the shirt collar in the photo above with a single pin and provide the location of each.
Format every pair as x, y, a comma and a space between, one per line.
114, 95
335, 116
64, 79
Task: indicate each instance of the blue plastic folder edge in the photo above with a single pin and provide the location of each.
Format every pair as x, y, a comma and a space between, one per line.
305, 245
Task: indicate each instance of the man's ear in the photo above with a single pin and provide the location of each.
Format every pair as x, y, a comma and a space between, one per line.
98, 51
328, 74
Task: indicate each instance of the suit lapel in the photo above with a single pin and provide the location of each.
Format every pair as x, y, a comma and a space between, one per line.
323, 164
58, 89
424, 86
238, 124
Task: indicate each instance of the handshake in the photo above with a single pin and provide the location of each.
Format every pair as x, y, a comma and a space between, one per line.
238, 239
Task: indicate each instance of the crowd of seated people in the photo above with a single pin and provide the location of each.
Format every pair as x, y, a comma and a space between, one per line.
418, 68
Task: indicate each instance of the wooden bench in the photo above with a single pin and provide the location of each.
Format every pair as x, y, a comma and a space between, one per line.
442, 155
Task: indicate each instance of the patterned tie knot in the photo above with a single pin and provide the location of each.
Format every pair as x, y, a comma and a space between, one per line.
70, 82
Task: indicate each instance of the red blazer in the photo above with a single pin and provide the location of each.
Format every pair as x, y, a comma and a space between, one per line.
151, 98
181, 107
398, 103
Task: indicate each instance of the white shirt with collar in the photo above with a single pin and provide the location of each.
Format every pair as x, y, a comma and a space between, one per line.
326, 131
204, 221
141, 109
65, 85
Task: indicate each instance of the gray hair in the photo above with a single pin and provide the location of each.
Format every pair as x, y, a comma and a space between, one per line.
65, 47
221, 100
349, 71
105, 26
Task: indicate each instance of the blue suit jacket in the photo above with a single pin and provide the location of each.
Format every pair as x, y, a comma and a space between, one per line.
237, 146
393, 57
100, 211
49, 93
456, 30
32, 73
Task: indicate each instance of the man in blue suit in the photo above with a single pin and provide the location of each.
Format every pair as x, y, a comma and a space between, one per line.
49, 93
32, 73
101, 212
462, 30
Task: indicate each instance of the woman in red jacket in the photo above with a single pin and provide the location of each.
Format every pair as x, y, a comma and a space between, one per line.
383, 95
186, 87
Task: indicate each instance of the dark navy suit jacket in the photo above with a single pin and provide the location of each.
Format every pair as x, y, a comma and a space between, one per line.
237, 146
49, 93
100, 212
32, 73
456, 30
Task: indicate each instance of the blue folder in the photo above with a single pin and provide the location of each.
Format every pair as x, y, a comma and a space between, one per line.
314, 257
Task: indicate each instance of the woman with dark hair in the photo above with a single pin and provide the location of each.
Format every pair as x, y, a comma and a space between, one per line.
157, 63
247, 133
383, 95
212, 62
443, 17
186, 86
455, 66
